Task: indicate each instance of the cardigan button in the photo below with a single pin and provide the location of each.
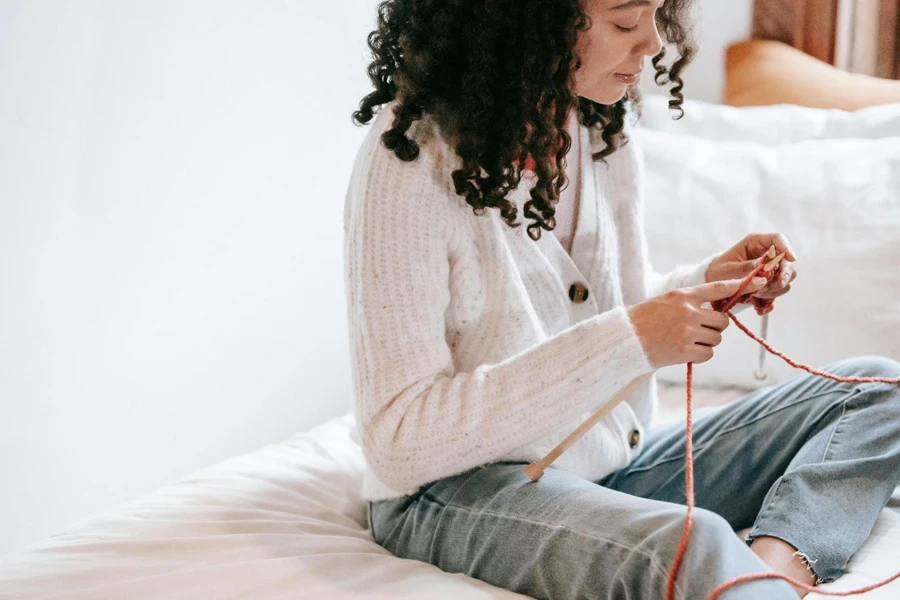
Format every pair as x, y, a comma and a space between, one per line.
634, 438
578, 293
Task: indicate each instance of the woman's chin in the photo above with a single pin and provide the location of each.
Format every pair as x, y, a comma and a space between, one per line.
607, 95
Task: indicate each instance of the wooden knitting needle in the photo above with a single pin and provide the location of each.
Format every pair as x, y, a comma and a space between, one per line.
773, 263
536, 469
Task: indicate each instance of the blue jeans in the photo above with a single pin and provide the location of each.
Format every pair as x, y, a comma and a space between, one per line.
809, 461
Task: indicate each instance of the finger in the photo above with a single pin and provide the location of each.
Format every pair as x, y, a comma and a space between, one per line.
783, 277
774, 294
782, 244
787, 273
714, 320
759, 243
718, 290
707, 337
701, 354
748, 266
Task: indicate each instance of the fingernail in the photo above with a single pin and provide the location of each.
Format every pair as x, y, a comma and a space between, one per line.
759, 280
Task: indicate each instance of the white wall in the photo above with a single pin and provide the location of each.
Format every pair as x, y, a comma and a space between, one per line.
719, 23
171, 192
172, 178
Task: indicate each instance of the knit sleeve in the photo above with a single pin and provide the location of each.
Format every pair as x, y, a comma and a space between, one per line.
680, 277
418, 418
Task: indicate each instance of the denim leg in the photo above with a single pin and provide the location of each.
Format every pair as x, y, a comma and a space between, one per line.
810, 461
564, 537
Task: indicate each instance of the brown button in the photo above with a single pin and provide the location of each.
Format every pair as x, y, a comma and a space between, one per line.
634, 438
578, 293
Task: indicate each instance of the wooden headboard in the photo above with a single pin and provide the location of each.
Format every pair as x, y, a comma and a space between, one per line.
861, 36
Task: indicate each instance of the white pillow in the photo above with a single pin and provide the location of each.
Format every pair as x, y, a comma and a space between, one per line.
837, 201
770, 125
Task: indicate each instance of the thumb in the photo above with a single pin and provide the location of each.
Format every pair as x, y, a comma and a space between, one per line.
739, 269
746, 267
719, 290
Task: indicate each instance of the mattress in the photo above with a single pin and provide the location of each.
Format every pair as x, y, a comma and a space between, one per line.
286, 521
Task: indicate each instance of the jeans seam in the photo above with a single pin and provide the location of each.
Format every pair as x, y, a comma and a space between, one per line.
732, 429
398, 523
652, 557
761, 517
833, 431
426, 495
837, 423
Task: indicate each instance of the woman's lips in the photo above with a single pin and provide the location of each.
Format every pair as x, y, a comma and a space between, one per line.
628, 79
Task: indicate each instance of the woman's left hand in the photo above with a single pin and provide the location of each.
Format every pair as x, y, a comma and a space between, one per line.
740, 260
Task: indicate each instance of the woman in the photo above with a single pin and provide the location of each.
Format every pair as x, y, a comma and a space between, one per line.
477, 348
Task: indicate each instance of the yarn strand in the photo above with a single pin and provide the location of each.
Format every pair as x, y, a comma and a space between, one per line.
762, 306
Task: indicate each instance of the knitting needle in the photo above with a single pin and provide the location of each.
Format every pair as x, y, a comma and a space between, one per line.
773, 263
536, 469
761, 374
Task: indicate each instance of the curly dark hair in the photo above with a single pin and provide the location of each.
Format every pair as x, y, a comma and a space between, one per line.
497, 78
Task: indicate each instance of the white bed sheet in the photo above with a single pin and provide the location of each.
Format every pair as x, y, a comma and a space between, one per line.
286, 521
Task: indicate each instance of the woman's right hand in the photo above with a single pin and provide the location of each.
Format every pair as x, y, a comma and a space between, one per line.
674, 329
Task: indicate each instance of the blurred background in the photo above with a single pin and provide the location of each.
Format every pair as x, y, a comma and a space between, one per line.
172, 178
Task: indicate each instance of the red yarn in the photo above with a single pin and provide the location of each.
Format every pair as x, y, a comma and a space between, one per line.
762, 306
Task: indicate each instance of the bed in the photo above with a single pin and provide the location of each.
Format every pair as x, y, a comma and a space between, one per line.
287, 521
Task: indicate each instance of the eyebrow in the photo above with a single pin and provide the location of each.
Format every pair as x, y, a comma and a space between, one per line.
631, 4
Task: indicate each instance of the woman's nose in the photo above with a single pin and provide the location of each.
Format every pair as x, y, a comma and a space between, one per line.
652, 43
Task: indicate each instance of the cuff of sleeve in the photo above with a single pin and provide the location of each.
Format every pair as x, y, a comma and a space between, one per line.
617, 356
629, 359
633, 341
690, 275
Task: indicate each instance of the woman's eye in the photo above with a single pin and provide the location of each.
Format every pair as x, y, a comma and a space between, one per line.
620, 28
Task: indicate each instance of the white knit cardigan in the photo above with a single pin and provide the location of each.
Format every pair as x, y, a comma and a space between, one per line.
465, 345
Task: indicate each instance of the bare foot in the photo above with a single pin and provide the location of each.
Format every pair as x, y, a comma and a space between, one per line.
781, 556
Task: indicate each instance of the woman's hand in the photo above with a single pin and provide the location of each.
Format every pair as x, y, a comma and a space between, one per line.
675, 329
740, 260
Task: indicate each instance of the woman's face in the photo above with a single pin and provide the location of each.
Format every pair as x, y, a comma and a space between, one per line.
612, 49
